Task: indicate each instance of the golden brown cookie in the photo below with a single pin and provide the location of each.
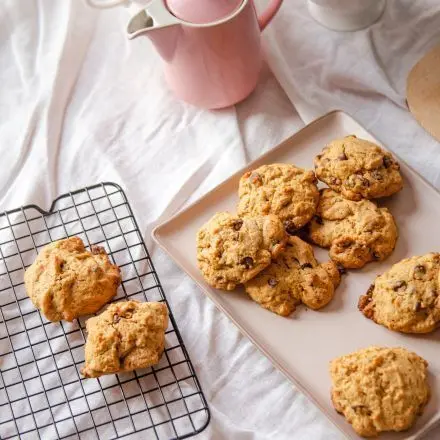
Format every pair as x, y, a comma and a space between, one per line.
232, 250
294, 277
379, 389
67, 281
406, 297
126, 336
358, 169
355, 232
285, 190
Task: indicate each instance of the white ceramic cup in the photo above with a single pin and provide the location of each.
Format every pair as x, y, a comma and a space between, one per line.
346, 15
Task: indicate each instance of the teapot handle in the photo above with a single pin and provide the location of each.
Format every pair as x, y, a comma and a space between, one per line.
267, 15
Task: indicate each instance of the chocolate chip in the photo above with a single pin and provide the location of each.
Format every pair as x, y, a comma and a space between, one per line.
318, 219
255, 178
419, 271
418, 306
290, 227
116, 318
399, 285
341, 269
285, 202
370, 290
248, 262
363, 181
342, 156
306, 266
272, 282
237, 224
376, 256
387, 161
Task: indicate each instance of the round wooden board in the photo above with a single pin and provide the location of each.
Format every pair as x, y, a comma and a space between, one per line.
423, 92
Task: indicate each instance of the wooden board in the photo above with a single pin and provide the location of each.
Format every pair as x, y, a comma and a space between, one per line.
423, 92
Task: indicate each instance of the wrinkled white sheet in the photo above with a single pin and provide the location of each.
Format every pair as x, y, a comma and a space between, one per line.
80, 104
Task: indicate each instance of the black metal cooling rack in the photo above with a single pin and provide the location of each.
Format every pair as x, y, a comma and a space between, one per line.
42, 394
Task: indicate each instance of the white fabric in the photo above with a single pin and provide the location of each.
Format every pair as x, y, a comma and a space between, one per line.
80, 104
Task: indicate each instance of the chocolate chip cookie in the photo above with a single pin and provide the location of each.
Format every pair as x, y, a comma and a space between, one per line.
358, 169
67, 281
294, 277
285, 190
126, 336
232, 250
355, 232
379, 389
406, 298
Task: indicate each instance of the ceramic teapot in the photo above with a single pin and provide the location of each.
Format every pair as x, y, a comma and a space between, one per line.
211, 48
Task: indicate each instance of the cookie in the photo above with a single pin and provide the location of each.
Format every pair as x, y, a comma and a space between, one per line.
379, 389
355, 232
67, 281
128, 335
284, 190
232, 250
358, 169
406, 298
294, 277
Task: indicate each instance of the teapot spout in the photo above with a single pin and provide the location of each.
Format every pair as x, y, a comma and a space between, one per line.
153, 18
139, 25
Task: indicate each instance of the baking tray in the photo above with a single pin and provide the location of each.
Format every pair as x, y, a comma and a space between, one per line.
302, 345
42, 394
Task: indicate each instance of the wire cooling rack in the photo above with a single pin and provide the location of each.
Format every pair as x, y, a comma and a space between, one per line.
42, 394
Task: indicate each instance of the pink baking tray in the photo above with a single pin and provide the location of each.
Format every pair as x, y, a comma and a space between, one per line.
302, 346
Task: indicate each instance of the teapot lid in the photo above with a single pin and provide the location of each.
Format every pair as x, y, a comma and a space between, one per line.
202, 11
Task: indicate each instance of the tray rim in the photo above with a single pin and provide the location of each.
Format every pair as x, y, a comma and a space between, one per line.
156, 235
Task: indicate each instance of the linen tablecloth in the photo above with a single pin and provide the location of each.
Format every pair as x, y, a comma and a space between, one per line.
80, 104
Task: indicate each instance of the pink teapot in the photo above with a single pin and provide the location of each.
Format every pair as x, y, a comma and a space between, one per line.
211, 48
